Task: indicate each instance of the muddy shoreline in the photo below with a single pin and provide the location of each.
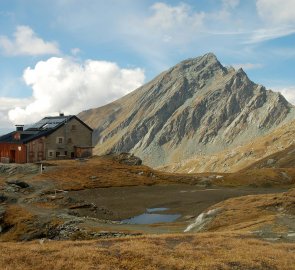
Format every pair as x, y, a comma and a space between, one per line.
118, 203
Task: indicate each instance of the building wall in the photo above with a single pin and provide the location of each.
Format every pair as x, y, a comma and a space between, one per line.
61, 143
36, 150
83, 152
13, 152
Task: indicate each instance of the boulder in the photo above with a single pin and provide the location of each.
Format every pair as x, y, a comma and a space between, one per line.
3, 198
127, 158
18, 183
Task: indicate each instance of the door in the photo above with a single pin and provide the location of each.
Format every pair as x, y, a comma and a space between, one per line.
12, 156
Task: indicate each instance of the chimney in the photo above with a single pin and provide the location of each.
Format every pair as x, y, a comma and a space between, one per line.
19, 127
61, 114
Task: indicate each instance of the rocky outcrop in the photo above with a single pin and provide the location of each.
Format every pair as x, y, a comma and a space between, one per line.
197, 107
14, 169
202, 220
18, 183
126, 158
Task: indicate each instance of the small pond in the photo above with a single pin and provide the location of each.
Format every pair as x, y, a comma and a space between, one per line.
151, 217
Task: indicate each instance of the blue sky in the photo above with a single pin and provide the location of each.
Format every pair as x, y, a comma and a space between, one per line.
70, 55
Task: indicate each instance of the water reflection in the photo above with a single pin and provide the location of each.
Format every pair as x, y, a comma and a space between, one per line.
150, 217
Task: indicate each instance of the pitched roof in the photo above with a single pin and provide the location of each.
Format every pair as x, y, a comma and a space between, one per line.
44, 127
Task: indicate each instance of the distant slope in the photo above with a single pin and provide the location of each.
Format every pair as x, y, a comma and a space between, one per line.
281, 159
274, 150
197, 107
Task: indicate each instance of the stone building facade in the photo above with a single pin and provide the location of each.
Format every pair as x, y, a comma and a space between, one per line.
61, 137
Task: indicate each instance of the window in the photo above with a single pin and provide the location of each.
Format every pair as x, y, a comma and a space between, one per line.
73, 127
66, 153
50, 154
69, 140
59, 140
57, 154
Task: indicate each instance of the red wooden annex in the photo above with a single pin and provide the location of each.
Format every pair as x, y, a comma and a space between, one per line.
13, 153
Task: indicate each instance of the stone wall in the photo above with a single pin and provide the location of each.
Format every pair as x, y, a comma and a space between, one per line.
61, 143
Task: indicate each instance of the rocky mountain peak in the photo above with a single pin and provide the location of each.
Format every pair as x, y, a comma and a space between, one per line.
240, 73
208, 62
196, 107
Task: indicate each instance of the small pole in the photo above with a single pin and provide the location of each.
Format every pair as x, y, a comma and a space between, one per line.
41, 168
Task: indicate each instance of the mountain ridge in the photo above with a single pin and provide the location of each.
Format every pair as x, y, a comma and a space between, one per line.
196, 107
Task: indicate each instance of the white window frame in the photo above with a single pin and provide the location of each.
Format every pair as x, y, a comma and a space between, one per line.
51, 152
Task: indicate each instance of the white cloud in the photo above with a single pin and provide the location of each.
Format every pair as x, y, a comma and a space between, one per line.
276, 12
182, 18
166, 30
247, 66
26, 42
61, 84
181, 25
278, 17
6, 104
288, 93
225, 12
167, 17
172, 22
261, 35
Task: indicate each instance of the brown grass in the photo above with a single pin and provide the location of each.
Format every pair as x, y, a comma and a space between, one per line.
202, 251
265, 177
18, 218
252, 211
100, 172
105, 172
280, 159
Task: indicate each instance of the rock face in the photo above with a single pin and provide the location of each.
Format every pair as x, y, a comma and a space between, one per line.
197, 107
126, 158
273, 150
18, 183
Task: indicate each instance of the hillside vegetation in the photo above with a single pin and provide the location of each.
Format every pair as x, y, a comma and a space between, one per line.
204, 251
105, 171
267, 214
